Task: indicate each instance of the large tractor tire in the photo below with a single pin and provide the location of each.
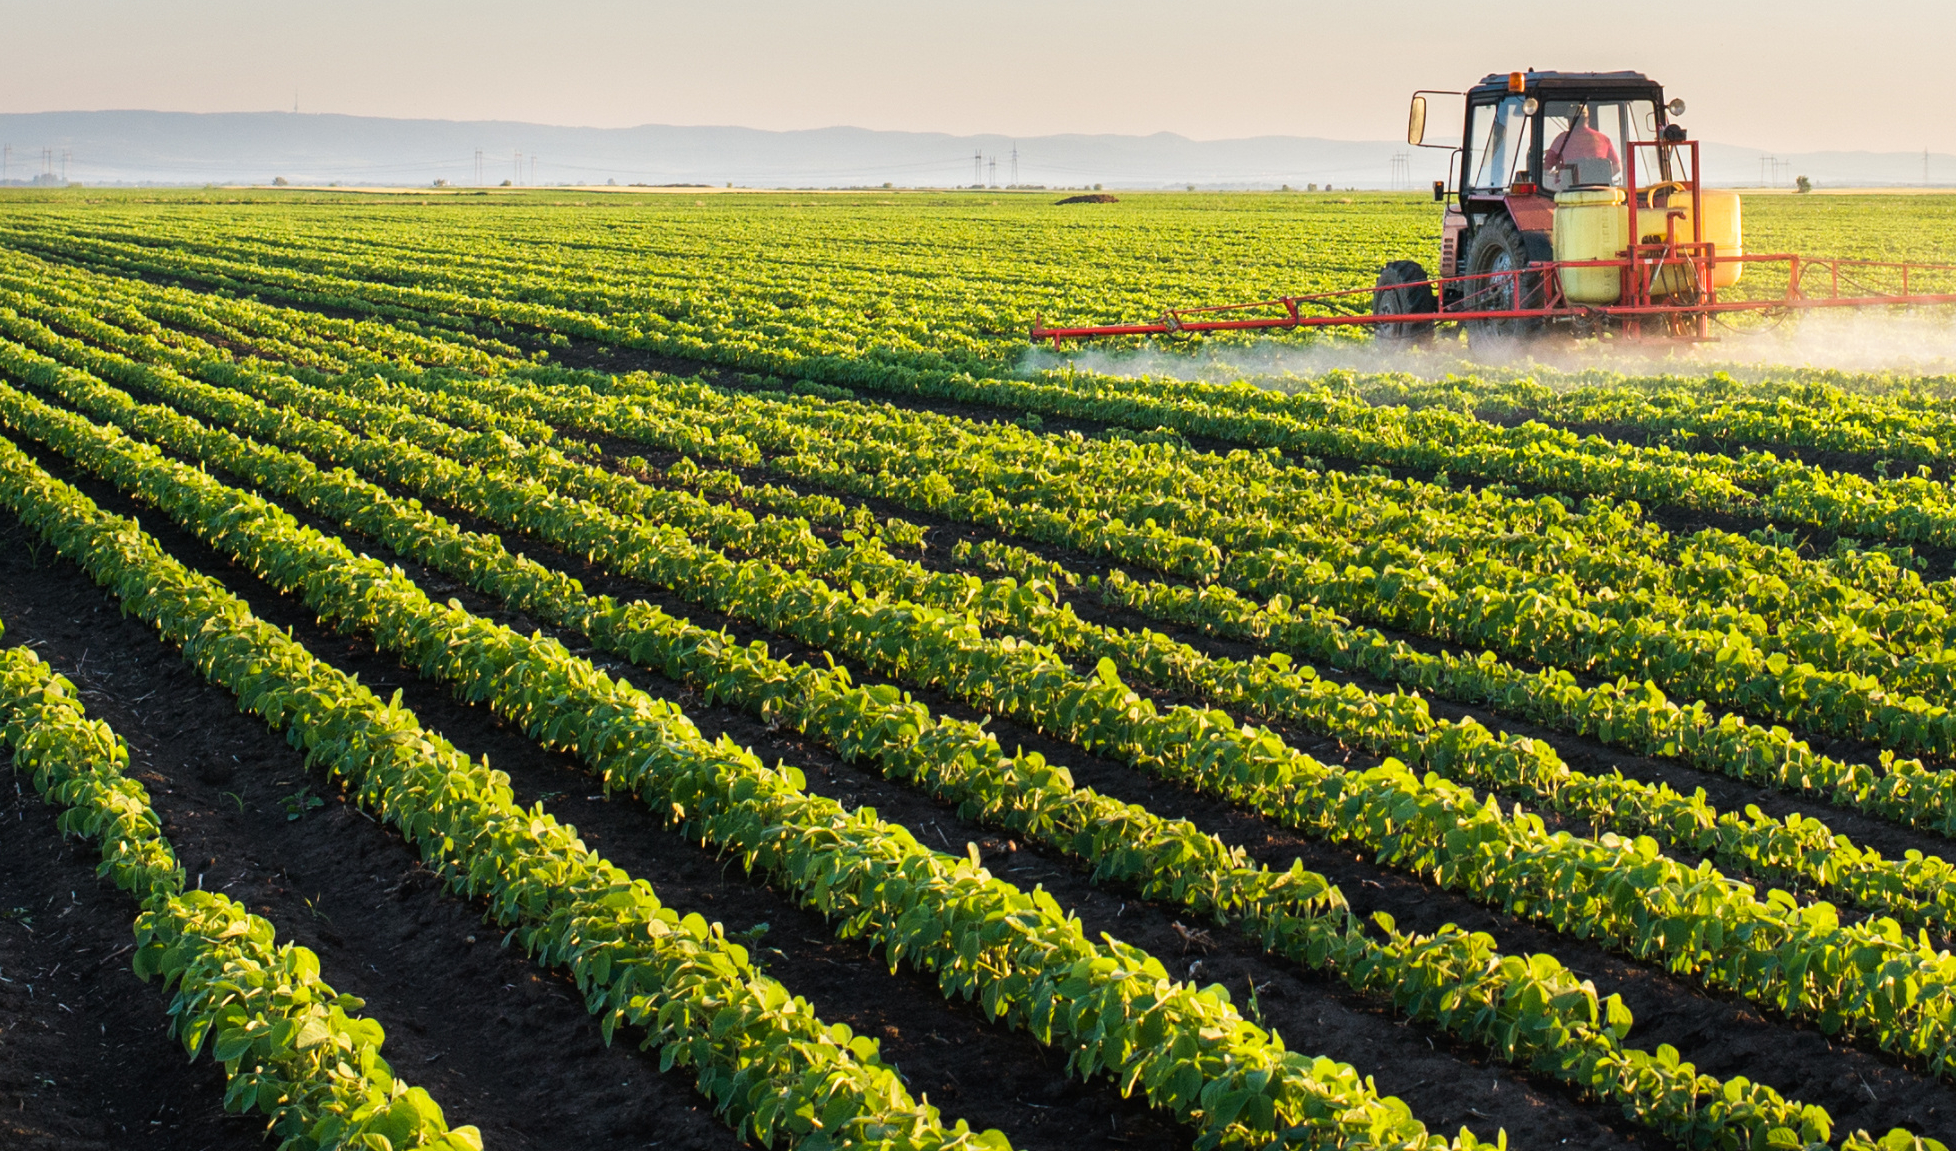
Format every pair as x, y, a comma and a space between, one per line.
1498, 246
1403, 291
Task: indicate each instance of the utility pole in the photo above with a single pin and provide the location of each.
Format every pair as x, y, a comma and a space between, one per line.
478, 167
6, 157
991, 179
1402, 172
977, 167
518, 177
533, 168
66, 156
1015, 163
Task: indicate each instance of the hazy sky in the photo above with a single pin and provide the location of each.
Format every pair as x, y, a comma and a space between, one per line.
1788, 75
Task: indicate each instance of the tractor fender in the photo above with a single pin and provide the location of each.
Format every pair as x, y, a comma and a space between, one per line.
1534, 218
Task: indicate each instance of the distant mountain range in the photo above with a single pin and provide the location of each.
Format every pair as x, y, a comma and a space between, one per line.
137, 147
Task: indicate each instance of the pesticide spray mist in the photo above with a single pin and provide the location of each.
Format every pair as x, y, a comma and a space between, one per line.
1906, 344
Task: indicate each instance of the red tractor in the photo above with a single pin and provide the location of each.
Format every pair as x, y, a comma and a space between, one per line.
1575, 206
1529, 139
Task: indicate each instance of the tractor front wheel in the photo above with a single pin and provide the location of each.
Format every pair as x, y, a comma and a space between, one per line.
1496, 254
1402, 290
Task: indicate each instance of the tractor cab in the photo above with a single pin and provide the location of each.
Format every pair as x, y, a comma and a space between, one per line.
1528, 136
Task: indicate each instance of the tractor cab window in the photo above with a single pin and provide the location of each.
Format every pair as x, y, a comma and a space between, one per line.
1499, 137
1585, 143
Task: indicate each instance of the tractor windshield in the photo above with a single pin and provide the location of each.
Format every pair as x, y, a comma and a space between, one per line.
1499, 137
1585, 142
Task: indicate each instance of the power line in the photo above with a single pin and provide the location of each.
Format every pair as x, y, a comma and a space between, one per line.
1402, 172
977, 167
1015, 163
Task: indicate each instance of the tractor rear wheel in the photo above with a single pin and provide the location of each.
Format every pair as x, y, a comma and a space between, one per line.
1402, 290
1497, 247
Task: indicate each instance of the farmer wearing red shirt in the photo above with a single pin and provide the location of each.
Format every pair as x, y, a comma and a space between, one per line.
1579, 142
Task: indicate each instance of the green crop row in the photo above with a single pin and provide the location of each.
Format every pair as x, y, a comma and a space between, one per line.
1913, 809
291, 1046
1647, 722
1917, 889
770, 1066
1012, 679
1533, 870
1633, 715
1187, 1048
1531, 1011
1845, 628
806, 303
1725, 665
472, 271
1433, 439
1789, 409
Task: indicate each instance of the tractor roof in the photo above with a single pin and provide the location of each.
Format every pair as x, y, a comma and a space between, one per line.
1572, 81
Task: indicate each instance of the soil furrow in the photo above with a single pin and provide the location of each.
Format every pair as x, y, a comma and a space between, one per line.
1725, 1035
74, 1019
1447, 1084
1860, 1088
938, 1044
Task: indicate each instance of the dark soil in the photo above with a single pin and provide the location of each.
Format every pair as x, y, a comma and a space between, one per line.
506, 1046
64, 978
498, 1042
973, 1068
1580, 752
943, 534
1723, 1034
1445, 1085
598, 358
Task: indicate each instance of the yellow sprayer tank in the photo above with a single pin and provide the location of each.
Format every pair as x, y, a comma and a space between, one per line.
1594, 224
1591, 224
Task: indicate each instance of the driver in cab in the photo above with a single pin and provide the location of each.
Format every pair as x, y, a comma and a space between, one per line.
1578, 156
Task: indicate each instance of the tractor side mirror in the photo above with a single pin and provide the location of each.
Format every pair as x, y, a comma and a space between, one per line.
1439, 190
1416, 122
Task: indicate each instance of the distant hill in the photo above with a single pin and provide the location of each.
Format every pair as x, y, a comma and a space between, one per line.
256, 147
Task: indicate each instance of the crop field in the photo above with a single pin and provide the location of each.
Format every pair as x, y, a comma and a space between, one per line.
584, 670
